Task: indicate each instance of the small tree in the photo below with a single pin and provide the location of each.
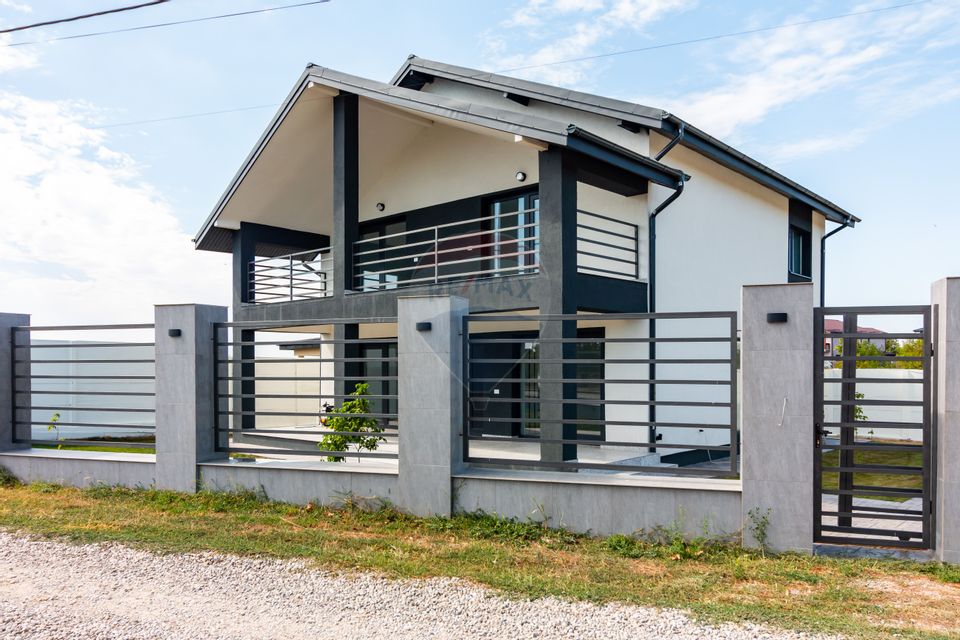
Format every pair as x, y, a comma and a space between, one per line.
353, 427
53, 426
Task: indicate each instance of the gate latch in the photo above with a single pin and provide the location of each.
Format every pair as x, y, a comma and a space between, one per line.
819, 433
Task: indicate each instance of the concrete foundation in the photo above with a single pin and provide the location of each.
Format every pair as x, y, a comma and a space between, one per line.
81, 468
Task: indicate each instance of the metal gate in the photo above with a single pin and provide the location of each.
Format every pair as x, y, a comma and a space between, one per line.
874, 430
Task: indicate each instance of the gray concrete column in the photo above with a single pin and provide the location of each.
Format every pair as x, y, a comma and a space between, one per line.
945, 294
8, 429
430, 401
777, 431
184, 392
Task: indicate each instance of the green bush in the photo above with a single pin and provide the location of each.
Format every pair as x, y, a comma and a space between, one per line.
354, 427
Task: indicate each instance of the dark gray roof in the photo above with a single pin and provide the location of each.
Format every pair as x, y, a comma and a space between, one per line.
635, 114
506, 120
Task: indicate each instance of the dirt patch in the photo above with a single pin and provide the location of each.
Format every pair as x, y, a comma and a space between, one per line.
917, 602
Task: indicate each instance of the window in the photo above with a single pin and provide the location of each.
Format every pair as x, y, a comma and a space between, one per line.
515, 244
798, 259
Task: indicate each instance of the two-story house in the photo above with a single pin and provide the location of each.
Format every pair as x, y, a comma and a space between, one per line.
513, 194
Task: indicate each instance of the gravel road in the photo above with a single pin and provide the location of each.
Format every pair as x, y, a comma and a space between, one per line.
53, 590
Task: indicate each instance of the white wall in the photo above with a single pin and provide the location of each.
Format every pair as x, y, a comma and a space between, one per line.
69, 401
630, 210
441, 164
724, 232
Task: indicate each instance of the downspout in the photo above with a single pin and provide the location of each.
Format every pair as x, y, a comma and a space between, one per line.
823, 260
652, 290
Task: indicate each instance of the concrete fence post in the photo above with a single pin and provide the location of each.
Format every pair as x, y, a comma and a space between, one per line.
8, 427
945, 294
777, 414
430, 354
184, 392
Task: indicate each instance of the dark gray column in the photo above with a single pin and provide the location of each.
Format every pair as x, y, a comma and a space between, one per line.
244, 248
346, 374
8, 415
558, 269
346, 184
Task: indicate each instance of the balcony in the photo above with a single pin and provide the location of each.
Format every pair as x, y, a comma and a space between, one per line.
305, 275
505, 244
501, 245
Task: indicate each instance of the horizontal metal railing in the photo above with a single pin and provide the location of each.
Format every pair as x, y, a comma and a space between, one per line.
296, 276
507, 244
558, 392
607, 246
269, 404
95, 391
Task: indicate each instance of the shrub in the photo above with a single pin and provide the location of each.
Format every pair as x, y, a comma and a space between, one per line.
353, 427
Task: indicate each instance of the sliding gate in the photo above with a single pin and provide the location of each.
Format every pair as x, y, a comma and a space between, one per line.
874, 431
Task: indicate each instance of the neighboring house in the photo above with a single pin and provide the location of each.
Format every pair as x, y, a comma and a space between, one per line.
831, 345
513, 194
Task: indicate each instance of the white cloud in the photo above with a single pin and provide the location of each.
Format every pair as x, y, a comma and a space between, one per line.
775, 69
86, 239
15, 58
22, 7
598, 20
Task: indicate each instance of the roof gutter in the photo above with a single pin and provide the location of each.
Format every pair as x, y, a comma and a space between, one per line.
652, 286
823, 261
726, 155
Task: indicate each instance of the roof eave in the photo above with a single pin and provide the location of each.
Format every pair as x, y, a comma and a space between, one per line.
726, 155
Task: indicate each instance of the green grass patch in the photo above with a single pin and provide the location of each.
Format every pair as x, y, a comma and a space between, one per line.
715, 579
831, 480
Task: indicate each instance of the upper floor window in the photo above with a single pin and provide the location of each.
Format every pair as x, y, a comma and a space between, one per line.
799, 243
799, 253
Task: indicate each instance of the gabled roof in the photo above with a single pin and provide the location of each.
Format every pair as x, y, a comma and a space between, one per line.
630, 114
505, 120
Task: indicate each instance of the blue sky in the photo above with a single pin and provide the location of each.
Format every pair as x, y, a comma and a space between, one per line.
863, 110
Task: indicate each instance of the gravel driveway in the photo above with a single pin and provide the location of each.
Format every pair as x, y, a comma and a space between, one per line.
53, 590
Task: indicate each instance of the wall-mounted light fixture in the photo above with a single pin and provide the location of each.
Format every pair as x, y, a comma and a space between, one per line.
776, 318
521, 176
424, 326
381, 206
174, 333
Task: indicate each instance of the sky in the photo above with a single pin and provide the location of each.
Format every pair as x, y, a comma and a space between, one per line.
98, 206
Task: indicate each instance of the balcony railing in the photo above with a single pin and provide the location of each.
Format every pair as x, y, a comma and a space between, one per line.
607, 247
505, 244
295, 276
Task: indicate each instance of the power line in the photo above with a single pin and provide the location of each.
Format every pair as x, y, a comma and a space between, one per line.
85, 16
713, 37
601, 55
186, 116
169, 24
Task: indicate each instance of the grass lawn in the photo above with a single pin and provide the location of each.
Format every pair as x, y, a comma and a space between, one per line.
862, 598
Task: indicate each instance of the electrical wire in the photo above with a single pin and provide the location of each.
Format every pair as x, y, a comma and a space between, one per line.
168, 24
602, 55
85, 16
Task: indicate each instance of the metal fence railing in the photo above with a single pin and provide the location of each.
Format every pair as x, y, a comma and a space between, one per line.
875, 456
607, 246
295, 276
308, 388
595, 392
505, 244
84, 386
